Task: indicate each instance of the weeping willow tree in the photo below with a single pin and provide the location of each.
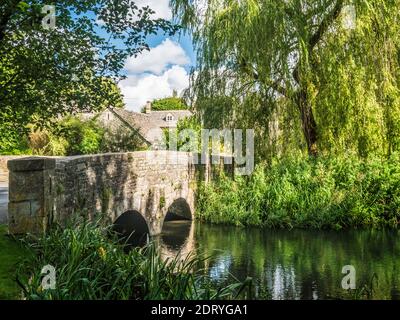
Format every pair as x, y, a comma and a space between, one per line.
320, 76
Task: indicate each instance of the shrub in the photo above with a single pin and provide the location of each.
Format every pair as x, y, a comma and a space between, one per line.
121, 139
84, 137
44, 142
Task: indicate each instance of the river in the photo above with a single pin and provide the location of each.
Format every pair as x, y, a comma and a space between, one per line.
296, 264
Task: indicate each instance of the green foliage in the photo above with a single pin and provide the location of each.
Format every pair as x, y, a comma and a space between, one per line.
188, 137
76, 136
172, 103
162, 202
319, 193
11, 252
46, 142
84, 137
78, 67
121, 139
12, 143
292, 71
91, 265
184, 140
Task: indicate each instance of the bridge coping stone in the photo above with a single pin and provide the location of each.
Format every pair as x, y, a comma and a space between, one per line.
31, 164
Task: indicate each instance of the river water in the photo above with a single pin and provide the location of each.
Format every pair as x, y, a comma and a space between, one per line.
296, 264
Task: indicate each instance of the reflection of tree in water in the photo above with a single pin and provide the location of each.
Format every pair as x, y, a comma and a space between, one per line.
302, 264
291, 264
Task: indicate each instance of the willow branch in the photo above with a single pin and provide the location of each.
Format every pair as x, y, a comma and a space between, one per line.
322, 29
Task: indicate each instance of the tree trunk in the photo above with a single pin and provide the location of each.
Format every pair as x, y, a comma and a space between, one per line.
308, 123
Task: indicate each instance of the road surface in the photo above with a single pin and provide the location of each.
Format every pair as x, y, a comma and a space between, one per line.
3, 202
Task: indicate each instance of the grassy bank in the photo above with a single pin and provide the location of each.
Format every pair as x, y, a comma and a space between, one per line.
313, 193
11, 252
89, 265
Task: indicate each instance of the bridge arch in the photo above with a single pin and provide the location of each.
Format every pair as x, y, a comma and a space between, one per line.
132, 228
179, 210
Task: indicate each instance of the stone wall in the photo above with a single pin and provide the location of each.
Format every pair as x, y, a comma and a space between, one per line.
47, 190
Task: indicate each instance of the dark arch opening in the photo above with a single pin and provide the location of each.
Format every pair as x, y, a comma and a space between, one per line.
132, 229
178, 210
177, 224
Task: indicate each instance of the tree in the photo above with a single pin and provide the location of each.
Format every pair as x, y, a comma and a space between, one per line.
307, 61
73, 66
184, 142
171, 103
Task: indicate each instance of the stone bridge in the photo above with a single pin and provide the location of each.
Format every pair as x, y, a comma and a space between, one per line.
128, 188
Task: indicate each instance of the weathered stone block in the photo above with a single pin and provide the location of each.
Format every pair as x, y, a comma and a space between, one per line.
26, 185
32, 164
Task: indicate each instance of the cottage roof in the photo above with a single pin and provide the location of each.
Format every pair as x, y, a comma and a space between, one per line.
144, 122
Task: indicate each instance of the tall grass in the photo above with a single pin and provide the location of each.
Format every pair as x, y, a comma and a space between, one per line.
10, 251
91, 266
314, 193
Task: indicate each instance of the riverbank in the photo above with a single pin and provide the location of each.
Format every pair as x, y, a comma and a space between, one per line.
317, 193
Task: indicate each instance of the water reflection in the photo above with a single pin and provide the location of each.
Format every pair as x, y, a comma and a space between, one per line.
292, 264
178, 238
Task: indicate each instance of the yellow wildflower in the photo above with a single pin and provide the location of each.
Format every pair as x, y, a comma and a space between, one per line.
102, 252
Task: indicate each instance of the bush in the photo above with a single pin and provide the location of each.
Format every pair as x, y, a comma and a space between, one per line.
315, 193
121, 139
74, 136
84, 137
13, 142
44, 142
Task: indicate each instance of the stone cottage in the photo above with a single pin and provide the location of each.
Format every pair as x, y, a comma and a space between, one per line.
149, 124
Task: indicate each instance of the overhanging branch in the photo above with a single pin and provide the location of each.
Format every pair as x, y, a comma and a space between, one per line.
321, 30
275, 85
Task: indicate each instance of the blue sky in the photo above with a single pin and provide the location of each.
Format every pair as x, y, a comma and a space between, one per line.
156, 73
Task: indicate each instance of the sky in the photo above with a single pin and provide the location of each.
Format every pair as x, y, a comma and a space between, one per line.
156, 73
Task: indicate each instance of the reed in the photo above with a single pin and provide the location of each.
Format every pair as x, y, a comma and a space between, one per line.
322, 193
91, 265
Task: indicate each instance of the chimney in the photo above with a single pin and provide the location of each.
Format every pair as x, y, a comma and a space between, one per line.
148, 107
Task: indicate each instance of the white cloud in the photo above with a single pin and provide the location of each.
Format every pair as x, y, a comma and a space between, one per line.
137, 89
161, 8
155, 74
158, 59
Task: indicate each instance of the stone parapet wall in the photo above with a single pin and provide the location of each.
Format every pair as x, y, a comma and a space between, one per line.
48, 189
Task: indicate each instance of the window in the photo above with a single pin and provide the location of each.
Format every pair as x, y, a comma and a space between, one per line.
169, 118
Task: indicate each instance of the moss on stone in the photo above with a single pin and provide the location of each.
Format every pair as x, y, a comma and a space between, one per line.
162, 202
106, 195
60, 189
